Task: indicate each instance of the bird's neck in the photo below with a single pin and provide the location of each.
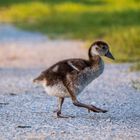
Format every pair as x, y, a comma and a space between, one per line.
95, 59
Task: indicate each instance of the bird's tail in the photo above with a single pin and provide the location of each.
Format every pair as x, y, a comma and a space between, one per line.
39, 79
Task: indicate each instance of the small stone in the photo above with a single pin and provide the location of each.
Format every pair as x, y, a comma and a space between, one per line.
62, 132
52, 133
13, 94
93, 103
108, 120
4, 103
22, 126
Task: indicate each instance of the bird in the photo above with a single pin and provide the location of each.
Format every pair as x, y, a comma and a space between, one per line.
68, 78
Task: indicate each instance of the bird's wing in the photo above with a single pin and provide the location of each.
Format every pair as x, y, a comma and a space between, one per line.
78, 64
68, 66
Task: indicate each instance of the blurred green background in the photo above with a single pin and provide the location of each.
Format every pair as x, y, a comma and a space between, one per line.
117, 22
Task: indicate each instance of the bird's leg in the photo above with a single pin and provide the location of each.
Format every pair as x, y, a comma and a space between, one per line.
60, 102
89, 107
58, 112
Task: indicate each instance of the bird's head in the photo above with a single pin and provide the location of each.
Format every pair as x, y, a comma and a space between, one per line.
100, 48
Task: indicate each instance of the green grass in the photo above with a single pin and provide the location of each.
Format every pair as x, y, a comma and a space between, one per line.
117, 22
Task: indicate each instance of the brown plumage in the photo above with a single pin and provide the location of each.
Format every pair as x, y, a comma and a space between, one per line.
68, 78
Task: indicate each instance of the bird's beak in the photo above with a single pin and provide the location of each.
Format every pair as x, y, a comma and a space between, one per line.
109, 55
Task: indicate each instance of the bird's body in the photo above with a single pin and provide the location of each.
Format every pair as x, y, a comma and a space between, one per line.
77, 73
68, 78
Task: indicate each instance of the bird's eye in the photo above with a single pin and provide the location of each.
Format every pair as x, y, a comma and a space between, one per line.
103, 47
97, 48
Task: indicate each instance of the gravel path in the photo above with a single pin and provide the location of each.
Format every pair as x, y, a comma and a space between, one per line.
26, 112
11, 34
24, 104
25, 49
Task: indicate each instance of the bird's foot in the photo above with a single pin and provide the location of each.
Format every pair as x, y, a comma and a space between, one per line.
59, 115
95, 109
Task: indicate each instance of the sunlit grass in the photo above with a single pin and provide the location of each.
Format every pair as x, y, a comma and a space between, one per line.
34, 9
117, 22
24, 13
125, 43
